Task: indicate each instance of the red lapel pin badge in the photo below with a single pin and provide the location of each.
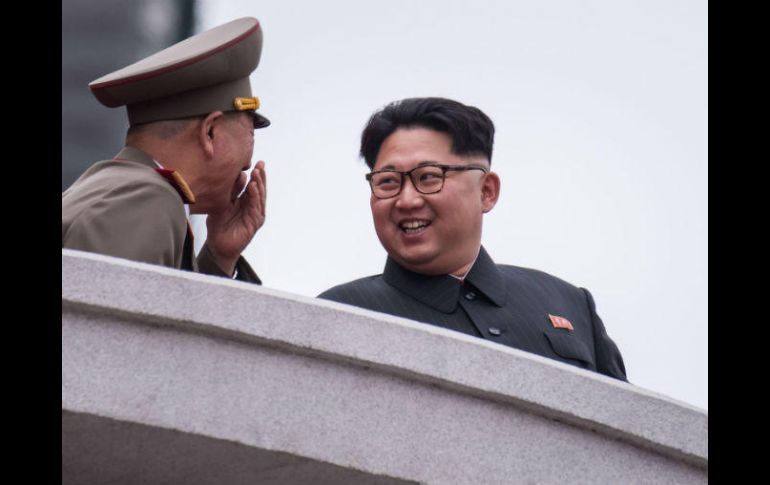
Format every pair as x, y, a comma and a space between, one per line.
560, 322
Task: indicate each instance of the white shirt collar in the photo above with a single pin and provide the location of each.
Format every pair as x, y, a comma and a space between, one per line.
462, 278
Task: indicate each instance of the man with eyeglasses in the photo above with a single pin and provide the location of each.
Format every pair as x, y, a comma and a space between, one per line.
189, 144
431, 185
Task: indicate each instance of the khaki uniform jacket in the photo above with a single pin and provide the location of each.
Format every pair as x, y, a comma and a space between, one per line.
123, 207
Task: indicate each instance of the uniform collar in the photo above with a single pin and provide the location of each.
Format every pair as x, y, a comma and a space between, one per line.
172, 176
442, 292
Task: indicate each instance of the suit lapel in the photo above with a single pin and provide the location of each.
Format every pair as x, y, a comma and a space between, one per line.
486, 277
442, 292
438, 292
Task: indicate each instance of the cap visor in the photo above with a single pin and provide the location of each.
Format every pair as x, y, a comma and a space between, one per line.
260, 121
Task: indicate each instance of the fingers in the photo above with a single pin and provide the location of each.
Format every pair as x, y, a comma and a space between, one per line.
259, 176
252, 205
257, 200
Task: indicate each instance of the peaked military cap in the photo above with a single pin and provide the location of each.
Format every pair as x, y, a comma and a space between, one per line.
204, 73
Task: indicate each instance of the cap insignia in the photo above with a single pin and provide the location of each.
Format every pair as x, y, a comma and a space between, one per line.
243, 104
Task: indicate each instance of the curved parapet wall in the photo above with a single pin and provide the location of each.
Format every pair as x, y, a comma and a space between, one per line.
175, 377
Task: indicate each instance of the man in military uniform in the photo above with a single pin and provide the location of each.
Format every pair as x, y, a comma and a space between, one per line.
431, 185
192, 118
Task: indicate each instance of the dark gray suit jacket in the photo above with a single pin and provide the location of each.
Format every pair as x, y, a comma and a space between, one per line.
500, 303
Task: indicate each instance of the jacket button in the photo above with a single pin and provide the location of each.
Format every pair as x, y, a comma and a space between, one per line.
495, 331
470, 295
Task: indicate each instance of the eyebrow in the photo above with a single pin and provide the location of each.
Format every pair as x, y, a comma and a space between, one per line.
421, 164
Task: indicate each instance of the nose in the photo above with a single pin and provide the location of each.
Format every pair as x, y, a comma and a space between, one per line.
409, 198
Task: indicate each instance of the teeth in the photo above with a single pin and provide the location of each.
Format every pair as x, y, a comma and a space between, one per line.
414, 224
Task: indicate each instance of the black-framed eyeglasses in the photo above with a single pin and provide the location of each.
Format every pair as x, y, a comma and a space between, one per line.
427, 179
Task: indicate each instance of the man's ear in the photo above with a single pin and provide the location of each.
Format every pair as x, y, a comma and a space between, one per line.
490, 191
208, 131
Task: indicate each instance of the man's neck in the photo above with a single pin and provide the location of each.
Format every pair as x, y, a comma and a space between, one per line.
169, 155
463, 272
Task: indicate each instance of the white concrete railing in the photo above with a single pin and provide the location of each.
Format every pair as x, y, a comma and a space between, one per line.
175, 377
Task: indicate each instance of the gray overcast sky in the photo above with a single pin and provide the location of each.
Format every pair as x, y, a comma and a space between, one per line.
601, 115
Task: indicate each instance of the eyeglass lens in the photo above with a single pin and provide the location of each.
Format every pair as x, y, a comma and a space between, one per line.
426, 180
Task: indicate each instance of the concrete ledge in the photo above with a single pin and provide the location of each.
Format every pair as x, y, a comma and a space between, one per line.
110, 451
340, 390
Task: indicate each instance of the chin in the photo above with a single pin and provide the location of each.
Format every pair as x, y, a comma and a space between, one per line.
419, 263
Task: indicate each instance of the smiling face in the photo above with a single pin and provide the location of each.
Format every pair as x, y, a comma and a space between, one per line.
437, 233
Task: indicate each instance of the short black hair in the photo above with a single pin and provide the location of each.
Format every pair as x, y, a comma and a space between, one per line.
471, 130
